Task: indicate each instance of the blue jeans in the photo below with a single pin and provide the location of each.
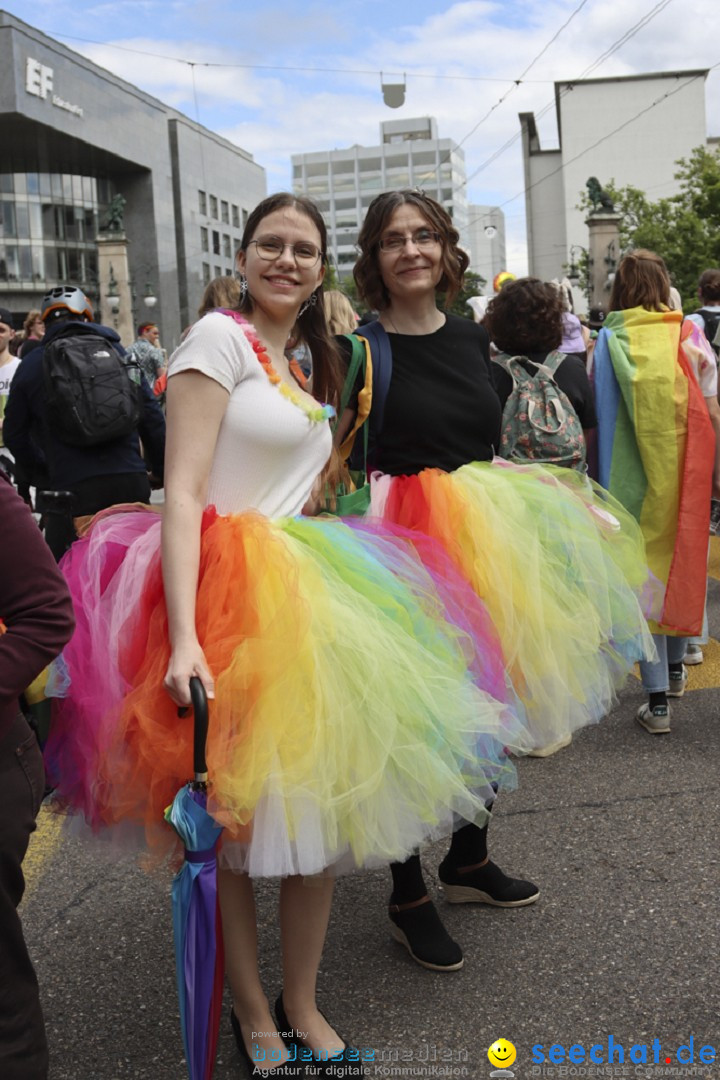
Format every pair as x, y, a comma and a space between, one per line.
655, 673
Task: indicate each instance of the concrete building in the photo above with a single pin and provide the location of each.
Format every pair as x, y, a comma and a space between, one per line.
343, 183
628, 129
72, 137
486, 242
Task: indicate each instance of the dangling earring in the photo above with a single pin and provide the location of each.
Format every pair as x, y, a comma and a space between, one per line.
309, 303
243, 288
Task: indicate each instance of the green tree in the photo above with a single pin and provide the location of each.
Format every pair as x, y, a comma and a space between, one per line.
473, 285
684, 228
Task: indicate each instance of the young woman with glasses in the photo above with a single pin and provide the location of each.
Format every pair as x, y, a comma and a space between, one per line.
325, 648
550, 568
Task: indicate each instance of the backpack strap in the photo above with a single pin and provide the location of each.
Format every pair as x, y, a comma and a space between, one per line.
552, 362
360, 360
515, 368
376, 335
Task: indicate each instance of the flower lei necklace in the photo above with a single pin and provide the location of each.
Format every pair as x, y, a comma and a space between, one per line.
316, 413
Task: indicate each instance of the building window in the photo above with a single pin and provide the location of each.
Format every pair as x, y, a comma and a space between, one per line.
218, 271
227, 247
204, 239
235, 217
245, 218
206, 273
213, 207
216, 242
224, 213
202, 202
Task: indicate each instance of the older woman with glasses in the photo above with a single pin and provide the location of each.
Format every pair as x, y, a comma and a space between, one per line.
550, 568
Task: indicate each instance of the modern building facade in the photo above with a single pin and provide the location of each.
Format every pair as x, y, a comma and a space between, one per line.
343, 183
72, 136
628, 130
486, 240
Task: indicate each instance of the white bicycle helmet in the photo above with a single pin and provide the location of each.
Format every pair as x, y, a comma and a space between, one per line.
67, 298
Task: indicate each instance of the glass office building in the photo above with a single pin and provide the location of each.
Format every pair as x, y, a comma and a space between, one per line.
73, 136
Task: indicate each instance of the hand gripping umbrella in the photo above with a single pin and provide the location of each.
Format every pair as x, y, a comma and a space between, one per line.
196, 916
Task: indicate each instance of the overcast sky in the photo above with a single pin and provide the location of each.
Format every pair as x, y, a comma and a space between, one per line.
460, 60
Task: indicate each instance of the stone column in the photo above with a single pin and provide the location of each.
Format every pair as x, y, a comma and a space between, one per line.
113, 262
603, 255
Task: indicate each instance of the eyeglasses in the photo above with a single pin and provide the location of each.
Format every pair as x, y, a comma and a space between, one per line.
271, 247
422, 238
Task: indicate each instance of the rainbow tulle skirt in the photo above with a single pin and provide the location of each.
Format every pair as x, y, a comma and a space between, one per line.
561, 569
362, 703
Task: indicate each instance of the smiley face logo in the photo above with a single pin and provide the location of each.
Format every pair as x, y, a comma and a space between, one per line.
502, 1054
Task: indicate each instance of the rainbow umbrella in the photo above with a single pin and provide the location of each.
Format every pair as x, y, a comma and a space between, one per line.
196, 916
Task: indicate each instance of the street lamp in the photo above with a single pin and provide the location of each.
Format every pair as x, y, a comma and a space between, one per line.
150, 299
611, 263
573, 274
113, 293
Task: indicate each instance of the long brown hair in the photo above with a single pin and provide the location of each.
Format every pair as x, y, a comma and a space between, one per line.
641, 280
367, 269
311, 326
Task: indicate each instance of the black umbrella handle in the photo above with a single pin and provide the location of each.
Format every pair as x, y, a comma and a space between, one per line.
200, 731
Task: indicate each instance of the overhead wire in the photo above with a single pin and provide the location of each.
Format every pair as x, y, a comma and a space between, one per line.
293, 67
568, 84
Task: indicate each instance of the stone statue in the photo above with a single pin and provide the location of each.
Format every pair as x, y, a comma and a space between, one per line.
114, 218
601, 201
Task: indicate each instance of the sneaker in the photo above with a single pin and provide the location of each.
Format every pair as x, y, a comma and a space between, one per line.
693, 655
678, 680
656, 721
714, 517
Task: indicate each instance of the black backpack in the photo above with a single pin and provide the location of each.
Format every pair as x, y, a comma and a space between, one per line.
711, 322
92, 395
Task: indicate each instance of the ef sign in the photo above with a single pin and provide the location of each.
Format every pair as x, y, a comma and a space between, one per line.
38, 78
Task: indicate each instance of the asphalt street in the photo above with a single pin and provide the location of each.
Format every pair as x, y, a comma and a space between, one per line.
620, 831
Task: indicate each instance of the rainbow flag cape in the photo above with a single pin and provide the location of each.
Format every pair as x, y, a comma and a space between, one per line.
656, 451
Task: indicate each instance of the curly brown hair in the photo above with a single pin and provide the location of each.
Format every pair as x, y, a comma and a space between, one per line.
641, 280
525, 316
368, 278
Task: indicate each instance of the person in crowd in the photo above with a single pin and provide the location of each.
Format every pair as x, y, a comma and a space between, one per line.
339, 312
527, 318
220, 292
146, 352
707, 318
91, 477
656, 387
435, 415
33, 330
8, 366
323, 645
36, 620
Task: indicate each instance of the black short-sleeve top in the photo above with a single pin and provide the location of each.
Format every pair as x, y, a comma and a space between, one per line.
442, 410
571, 377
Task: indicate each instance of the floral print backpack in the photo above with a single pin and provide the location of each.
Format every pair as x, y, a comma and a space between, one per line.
539, 423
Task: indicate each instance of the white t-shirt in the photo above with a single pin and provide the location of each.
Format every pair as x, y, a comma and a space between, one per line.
268, 452
6, 376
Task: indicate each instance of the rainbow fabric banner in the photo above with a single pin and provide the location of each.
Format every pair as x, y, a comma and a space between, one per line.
656, 451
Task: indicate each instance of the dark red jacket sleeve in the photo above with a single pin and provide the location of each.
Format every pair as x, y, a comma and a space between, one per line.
35, 604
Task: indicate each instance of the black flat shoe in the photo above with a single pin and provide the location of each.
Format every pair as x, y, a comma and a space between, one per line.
485, 884
345, 1064
419, 928
291, 1070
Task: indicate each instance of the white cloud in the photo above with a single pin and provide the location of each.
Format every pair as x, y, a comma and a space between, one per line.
274, 113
